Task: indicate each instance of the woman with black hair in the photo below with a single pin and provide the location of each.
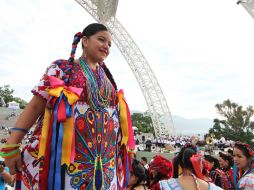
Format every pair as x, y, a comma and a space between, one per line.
226, 163
80, 139
244, 166
137, 180
215, 172
178, 160
191, 177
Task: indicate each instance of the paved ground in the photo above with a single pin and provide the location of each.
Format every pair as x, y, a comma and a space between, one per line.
7, 121
150, 155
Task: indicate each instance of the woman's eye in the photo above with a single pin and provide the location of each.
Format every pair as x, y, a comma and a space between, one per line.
101, 39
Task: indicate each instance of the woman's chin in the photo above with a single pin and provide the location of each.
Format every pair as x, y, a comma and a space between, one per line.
101, 59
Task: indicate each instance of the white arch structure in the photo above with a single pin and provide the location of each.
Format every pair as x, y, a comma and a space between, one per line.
104, 11
248, 5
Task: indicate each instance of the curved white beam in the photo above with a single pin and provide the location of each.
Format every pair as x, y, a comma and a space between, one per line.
248, 5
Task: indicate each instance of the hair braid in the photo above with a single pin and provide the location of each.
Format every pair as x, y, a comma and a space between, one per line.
109, 75
176, 167
75, 42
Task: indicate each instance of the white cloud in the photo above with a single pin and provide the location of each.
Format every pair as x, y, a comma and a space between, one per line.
200, 51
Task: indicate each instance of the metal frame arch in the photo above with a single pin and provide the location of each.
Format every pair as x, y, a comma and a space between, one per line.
248, 5
104, 11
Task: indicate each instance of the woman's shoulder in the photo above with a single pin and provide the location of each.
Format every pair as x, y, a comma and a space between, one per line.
247, 181
61, 68
58, 65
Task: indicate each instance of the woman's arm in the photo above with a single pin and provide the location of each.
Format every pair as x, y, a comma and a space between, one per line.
25, 121
28, 117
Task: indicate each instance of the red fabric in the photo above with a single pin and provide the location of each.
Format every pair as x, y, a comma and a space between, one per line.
161, 165
156, 186
196, 163
61, 114
227, 179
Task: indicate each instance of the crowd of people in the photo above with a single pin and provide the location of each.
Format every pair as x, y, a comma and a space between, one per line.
176, 142
190, 169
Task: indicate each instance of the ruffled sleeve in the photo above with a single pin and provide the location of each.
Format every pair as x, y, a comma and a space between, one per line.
53, 70
247, 182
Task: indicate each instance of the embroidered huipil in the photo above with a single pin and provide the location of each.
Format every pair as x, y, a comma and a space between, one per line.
246, 182
97, 163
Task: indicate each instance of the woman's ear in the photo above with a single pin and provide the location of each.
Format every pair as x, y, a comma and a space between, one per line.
84, 42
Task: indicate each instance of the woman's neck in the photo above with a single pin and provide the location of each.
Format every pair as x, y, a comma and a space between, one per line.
246, 169
92, 64
187, 172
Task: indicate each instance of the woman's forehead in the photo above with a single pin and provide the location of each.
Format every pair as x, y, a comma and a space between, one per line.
237, 150
104, 34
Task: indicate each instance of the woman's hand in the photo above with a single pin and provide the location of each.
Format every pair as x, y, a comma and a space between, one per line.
14, 164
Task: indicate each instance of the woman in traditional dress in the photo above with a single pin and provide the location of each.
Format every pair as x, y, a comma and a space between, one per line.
78, 142
244, 166
215, 172
191, 177
226, 163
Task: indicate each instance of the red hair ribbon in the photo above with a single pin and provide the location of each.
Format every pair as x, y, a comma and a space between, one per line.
196, 161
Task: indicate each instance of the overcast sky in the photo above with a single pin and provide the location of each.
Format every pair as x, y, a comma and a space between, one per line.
201, 51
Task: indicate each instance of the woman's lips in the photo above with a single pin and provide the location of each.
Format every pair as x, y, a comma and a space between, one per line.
104, 51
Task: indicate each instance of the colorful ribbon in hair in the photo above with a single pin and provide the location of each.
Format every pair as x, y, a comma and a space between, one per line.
162, 166
57, 141
196, 160
247, 147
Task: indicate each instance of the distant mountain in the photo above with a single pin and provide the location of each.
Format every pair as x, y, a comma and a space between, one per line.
189, 126
192, 126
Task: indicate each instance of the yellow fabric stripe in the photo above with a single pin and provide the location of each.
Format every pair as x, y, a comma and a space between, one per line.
44, 132
71, 97
55, 91
67, 141
123, 119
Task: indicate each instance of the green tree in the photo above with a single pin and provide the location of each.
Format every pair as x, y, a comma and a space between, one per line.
143, 122
235, 124
22, 103
6, 92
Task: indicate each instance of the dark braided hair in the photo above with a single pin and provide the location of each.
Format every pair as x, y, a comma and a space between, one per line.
90, 30
75, 42
178, 160
109, 75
